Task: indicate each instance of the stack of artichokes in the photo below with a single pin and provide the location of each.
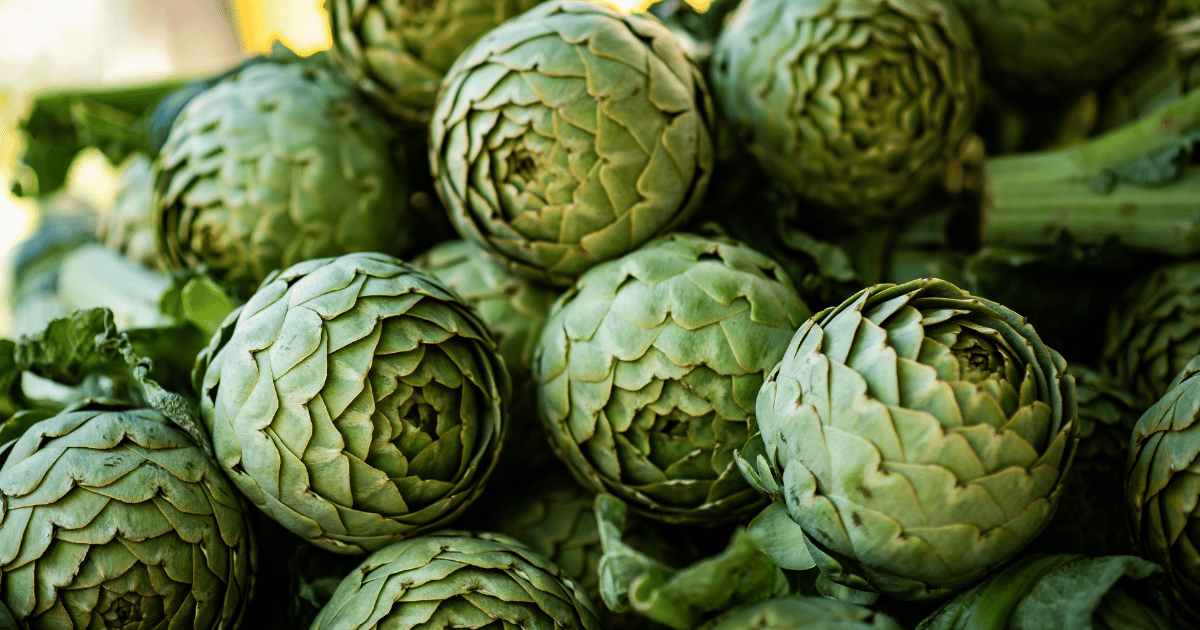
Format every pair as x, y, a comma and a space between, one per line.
540, 314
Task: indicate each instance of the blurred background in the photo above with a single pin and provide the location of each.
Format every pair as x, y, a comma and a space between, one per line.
69, 44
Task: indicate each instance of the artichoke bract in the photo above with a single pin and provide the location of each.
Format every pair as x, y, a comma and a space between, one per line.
1047, 47
648, 369
856, 106
918, 435
355, 400
1162, 487
799, 613
1153, 331
397, 51
112, 518
455, 579
278, 163
571, 135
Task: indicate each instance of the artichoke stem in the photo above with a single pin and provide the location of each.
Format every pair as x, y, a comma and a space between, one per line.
1085, 189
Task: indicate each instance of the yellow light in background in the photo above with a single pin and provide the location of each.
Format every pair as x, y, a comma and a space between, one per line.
303, 25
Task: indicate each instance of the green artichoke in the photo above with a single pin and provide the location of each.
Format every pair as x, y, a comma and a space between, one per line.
1162, 487
918, 435
1153, 331
1052, 46
277, 163
1056, 592
355, 400
571, 135
113, 518
126, 227
398, 51
801, 613
648, 369
457, 580
854, 105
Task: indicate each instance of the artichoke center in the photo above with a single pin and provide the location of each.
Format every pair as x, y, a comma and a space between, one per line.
521, 165
419, 413
979, 364
123, 611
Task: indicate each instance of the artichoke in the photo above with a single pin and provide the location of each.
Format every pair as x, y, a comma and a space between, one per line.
355, 400
277, 163
1057, 592
571, 135
797, 613
113, 518
457, 580
856, 106
1153, 331
1162, 487
397, 51
1049, 46
126, 227
648, 369
918, 435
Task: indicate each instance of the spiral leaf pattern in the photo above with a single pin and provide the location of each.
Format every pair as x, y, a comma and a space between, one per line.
1162, 487
571, 135
853, 105
648, 369
397, 51
456, 579
1154, 331
114, 518
918, 435
276, 164
355, 400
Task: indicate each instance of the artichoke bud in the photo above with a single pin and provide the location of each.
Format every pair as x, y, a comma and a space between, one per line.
570, 135
277, 163
857, 107
648, 368
397, 51
112, 517
457, 579
355, 400
1162, 489
1152, 332
918, 435
1038, 47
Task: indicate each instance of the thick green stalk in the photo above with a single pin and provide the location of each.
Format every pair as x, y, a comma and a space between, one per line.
1125, 183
